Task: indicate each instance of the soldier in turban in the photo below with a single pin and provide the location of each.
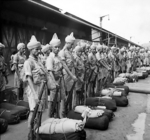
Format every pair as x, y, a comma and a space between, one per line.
18, 62
35, 73
67, 57
93, 68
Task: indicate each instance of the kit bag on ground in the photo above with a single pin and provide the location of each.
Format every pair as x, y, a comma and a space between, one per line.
121, 83
109, 113
123, 88
141, 76
99, 123
22, 111
12, 116
10, 95
121, 101
145, 74
3, 125
110, 104
81, 135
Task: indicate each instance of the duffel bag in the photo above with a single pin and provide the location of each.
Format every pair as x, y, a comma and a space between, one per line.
145, 74
3, 125
99, 123
124, 88
12, 116
121, 101
81, 135
109, 113
22, 111
10, 95
98, 101
142, 76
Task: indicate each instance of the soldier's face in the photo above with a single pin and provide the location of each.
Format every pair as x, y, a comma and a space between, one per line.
23, 50
55, 49
69, 45
93, 50
36, 51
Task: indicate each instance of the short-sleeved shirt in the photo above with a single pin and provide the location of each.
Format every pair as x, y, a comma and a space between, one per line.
36, 70
53, 63
19, 60
79, 65
67, 56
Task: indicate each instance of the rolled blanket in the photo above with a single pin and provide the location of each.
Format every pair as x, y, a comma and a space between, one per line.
106, 97
100, 107
117, 93
119, 81
106, 92
91, 114
81, 109
122, 75
65, 125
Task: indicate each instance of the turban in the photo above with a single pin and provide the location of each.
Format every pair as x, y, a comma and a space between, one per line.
93, 46
122, 50
99, 47
88, 45
113, 48
78, 49
33, 43
55, 41
82, 44
20, 46
104, 46
45, 48
2, 45
131, 48
137, 48
70, 38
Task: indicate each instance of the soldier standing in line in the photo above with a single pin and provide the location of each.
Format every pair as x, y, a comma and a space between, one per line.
55, 67
113, 59
122, 60
93, 70
67, 57
80, 71
34, 75
129, 60
146, 59
18, 62
3, 74
101, 67
87, 67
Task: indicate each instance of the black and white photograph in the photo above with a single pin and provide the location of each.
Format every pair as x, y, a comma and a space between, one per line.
75, 70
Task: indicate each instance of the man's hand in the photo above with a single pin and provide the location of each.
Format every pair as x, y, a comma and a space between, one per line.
36, 97
74, 78
57, 85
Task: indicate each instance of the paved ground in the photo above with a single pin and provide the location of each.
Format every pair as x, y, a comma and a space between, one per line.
119, 127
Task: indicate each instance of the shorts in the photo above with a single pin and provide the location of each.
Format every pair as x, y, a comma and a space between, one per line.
31, 101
